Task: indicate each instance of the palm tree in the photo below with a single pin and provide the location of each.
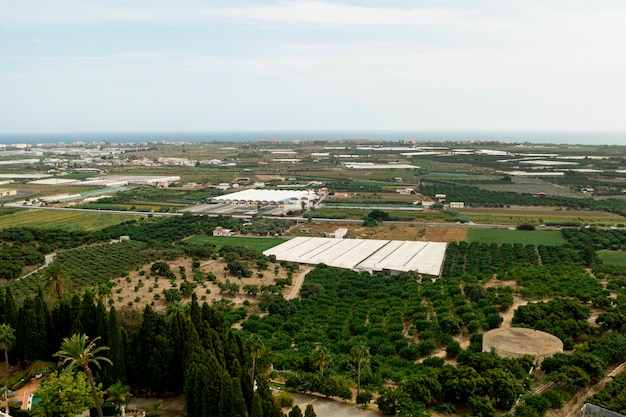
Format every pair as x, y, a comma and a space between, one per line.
256, 348
118, 393
55, 279
360, 353
75, 352
7, 340
322, 358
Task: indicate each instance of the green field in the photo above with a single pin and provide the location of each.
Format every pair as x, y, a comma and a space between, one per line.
257, 243
525, 237
56, 219
613, 257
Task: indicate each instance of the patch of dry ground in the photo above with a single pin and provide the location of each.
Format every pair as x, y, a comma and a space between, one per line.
392, 232
139, 290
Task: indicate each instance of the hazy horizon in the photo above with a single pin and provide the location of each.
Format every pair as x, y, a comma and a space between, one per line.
537, 137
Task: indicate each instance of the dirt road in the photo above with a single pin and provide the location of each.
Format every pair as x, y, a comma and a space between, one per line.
297, 283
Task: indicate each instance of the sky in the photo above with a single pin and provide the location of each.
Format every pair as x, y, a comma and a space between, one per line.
231, 65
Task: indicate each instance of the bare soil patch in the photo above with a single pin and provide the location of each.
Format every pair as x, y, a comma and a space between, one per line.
139, 289
391, 232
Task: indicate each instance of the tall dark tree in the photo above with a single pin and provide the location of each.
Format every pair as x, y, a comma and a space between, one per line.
10, 313
115, 337
102, 324
31, 333
76, 314
177, 339
257, 409
88, 314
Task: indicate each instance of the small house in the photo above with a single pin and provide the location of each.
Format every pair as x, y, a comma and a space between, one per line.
220, 231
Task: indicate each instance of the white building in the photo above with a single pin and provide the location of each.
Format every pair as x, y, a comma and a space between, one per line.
285, 198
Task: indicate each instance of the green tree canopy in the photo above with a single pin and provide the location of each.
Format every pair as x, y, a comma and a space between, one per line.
65, 395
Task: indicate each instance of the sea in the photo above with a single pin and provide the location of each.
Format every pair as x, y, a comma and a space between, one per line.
510, 136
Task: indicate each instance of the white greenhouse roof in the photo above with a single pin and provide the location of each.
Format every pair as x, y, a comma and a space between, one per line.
364, 254
268, 195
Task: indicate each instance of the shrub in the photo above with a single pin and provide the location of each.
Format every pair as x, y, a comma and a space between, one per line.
284, 399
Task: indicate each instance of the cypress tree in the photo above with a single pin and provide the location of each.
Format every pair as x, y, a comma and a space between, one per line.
193, 348
88, 315
212, 388
2, 305
31, 333
257, 410
11, 315
295, 411
177, 346
239, 404
61, 318
76, 307
44, 317
117, 371
193, 390
195, 313
102, 324
309, 412
226, 402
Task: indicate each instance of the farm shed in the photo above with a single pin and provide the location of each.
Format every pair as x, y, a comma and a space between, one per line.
387, 256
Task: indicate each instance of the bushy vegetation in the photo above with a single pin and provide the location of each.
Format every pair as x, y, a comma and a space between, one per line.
598, 239
484, 260
613, 396
156, 355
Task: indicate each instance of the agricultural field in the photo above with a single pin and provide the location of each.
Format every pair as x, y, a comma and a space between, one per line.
523, 237
68, 220
421, 338
611, 257
540, 215
256, 243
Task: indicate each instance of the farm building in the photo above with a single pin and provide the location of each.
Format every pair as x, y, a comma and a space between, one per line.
7, 192
516, 342
220, 231
277, 197
387, 256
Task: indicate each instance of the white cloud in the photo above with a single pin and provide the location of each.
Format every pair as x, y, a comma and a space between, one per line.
80, 11
513, 64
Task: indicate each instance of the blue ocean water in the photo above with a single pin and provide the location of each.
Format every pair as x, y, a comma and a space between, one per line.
517, 136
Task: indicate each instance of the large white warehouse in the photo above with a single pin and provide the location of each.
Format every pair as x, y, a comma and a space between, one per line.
387, 256
256, 196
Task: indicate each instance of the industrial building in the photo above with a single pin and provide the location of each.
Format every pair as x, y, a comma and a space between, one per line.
273, 197
386, 256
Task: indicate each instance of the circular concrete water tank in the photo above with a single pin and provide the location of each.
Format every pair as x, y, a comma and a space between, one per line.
515, 342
